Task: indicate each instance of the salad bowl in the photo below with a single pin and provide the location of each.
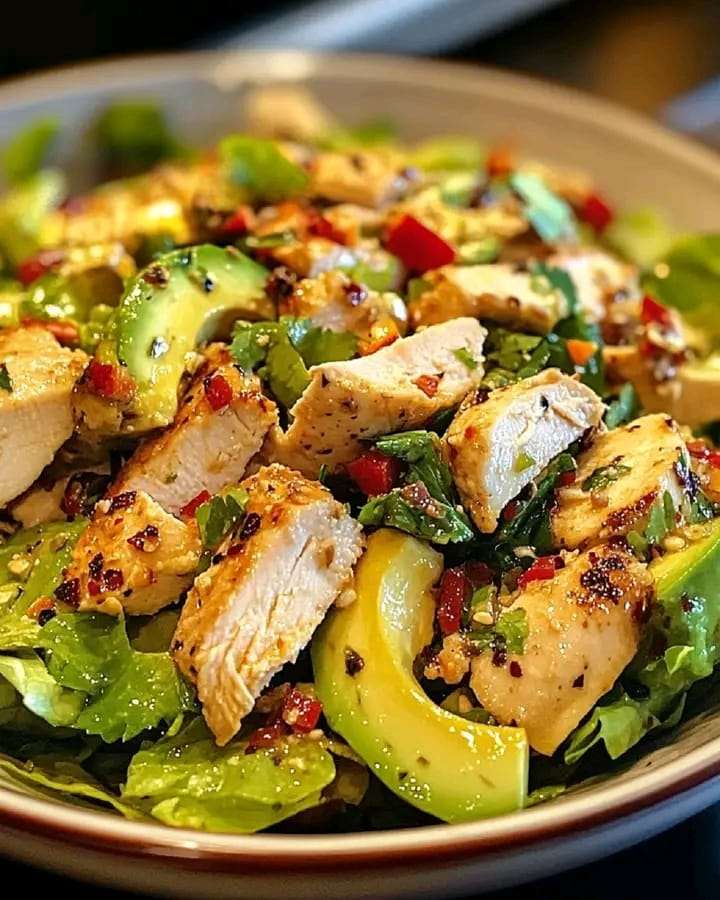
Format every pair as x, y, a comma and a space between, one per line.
677, 774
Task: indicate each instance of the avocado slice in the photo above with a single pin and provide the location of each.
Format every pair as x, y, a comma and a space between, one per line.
179, 300
363, 655
691, 572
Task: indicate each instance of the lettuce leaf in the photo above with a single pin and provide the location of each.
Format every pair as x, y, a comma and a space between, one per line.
128, 691
40, 692
188, 781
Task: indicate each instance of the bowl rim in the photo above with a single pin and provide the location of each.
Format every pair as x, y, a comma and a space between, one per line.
425, 845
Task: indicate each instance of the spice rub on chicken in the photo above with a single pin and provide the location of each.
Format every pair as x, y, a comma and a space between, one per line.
620, 478
583, 628
222, 424
133, 557
254, 610
397, 388
37, 379
501, 443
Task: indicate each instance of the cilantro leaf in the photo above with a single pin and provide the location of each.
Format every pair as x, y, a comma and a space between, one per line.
220, 514
5, 380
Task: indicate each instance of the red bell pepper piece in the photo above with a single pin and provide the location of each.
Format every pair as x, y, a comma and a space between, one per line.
300, 711
542, 569
596, 212
418, 247
652, 311
109, 381
700, 450
192, 506
35, 267
374, 472
237, 223
218, 391
320, 226
267, 736
455, 588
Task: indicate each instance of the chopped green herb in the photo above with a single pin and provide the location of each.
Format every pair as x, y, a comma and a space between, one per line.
661, 519
261, 167
466, 358
5, 380
523, 462
219, 515
510, 630
549, 215
557, 279
604, 476
624, 408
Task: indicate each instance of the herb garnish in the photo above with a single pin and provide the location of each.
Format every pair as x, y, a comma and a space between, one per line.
5, 380
604, 476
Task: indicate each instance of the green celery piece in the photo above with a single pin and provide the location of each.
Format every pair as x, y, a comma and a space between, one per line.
23, 210
188, 781
261, 168
129, 691
40, 692
25, 154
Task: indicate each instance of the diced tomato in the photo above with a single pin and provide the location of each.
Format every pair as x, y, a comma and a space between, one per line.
500, 162
580, 352
567, 478
652, 311
36, 266
418, 247
218, 391
192, 506
321, 226
455, 589
237, 223
428, 384
300, 711
109, 381
267, 736
700, 450
542, 569
596, 212
374, 472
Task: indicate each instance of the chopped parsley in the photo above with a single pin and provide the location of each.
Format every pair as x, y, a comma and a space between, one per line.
219, 515
5, 381
509, 631
604, 476
466, 358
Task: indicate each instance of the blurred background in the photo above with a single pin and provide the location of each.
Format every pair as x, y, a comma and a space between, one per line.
657, 56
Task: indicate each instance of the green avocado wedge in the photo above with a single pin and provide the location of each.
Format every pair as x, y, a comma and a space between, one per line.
181, 299
363, 656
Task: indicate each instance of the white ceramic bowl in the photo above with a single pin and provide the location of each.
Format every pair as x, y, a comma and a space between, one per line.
639, 163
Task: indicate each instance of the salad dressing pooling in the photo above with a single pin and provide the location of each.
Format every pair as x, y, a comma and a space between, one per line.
346, 484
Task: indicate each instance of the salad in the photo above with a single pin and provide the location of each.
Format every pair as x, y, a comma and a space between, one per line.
345, 484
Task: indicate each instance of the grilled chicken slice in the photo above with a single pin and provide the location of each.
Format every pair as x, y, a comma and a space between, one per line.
583, 629
399, 387
619, 478
36, 412
498, 292
364, 177
334, 301
601, 281
253, 611
132, 557
498, 446
286, 112
206, 448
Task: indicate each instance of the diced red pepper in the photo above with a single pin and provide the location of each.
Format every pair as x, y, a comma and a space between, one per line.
237, 223
542, 569
35, 267
455, 589
267, 736
192, 506
418, 247
218, 391
654, 312
428, 384
300, 711
500, 162
321, 226
374, 472
510, 510
700, 450
596, 212
567, 478
109, 381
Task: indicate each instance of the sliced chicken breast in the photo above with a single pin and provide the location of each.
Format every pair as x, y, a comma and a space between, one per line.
334, 301
498, 292
399, 387
252, 612
619, 478
35, 406
210, 443
500, 444
364, 177
600, 280
285, 111
133, 557
583, 629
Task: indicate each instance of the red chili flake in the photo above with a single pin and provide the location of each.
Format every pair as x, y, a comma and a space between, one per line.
542, 569
148, 535
300, 711
63, 331
112, 580
93, 587
499, 657
510, 510
320, 226
567, 478
218, 391
237, 223
515, 669
652, 311
596, 212
428, 384
267, 736
455, 588
417, 246
36, 266
68, 592
470, 433
192, 506
108, 381
95, 566
122, 501
374, 472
